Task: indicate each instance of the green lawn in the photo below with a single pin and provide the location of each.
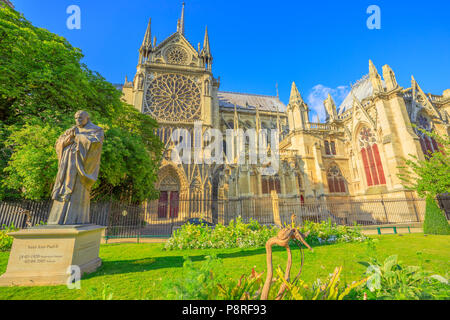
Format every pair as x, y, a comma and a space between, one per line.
129, 269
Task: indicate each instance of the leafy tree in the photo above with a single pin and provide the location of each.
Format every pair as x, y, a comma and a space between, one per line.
33, 164
432, 176
42, 84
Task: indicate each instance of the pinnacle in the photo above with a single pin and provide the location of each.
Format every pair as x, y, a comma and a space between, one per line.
295, 95
372, 67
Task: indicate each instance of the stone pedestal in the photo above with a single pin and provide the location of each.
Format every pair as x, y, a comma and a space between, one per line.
41, 256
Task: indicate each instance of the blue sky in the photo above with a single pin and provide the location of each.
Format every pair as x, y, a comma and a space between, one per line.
321, 45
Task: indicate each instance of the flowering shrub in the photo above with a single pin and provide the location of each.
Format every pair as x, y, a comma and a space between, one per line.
327, 232
241, 235
236, 235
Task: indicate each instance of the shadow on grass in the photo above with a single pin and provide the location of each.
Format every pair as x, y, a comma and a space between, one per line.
164, 262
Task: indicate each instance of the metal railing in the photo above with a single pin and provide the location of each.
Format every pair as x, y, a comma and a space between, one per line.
156, 219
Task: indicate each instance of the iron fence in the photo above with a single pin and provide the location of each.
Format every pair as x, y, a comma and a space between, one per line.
364, 213
160, 219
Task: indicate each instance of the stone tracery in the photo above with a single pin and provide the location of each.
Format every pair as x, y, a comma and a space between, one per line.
428, 144
177, 55
371, 158
173, 97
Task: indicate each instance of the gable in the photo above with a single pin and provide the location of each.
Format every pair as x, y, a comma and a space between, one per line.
176, 50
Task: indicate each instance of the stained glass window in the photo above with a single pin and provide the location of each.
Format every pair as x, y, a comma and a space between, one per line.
428, 144
327, 148
173, 97
370, 155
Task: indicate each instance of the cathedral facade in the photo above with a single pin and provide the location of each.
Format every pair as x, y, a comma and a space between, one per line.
355, 154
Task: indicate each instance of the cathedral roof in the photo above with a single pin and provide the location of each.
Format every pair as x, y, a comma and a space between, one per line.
361, 90
247, 101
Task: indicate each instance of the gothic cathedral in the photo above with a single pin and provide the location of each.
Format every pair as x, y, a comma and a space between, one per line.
355, 154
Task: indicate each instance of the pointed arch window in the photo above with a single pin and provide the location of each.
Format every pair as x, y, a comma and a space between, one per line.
336, 182
370, 155
333, 148
428, 144
270, 183
330, 148
168, 204
327, 148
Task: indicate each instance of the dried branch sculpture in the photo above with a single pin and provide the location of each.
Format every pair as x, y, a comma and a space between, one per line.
282, 239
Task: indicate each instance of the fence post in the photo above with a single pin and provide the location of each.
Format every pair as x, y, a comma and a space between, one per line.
415, 210
351, 211
140, 215
384, 209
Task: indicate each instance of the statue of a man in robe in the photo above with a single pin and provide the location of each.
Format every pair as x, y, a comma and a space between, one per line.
79, 150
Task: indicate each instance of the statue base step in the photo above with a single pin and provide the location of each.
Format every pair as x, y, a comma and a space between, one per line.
48, 255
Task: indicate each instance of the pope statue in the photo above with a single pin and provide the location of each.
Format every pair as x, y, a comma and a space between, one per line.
79, 150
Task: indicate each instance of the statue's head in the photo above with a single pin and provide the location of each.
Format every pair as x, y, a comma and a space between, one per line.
81, 118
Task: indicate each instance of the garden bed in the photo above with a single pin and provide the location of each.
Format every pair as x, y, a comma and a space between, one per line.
135, 271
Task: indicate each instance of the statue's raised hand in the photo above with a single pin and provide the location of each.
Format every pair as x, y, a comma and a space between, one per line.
69, 137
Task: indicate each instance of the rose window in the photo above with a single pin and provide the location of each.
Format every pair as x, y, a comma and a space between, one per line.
366, 137
177, 55
173, 97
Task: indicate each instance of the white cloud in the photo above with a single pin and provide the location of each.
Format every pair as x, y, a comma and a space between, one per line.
317, 96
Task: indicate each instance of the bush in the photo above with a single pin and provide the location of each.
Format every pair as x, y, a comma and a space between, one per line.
5, 240
435, 221
246, 288
330, 289
207, 282
250, 288
327, 232
241, 235
195, 282
392, 280
236, 235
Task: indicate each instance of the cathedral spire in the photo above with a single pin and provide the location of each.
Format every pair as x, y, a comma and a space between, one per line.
206, 47
278, 121
147, 42
206, 51
180, 27
146, 46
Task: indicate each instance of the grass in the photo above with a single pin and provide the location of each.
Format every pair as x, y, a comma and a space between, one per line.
130, 269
